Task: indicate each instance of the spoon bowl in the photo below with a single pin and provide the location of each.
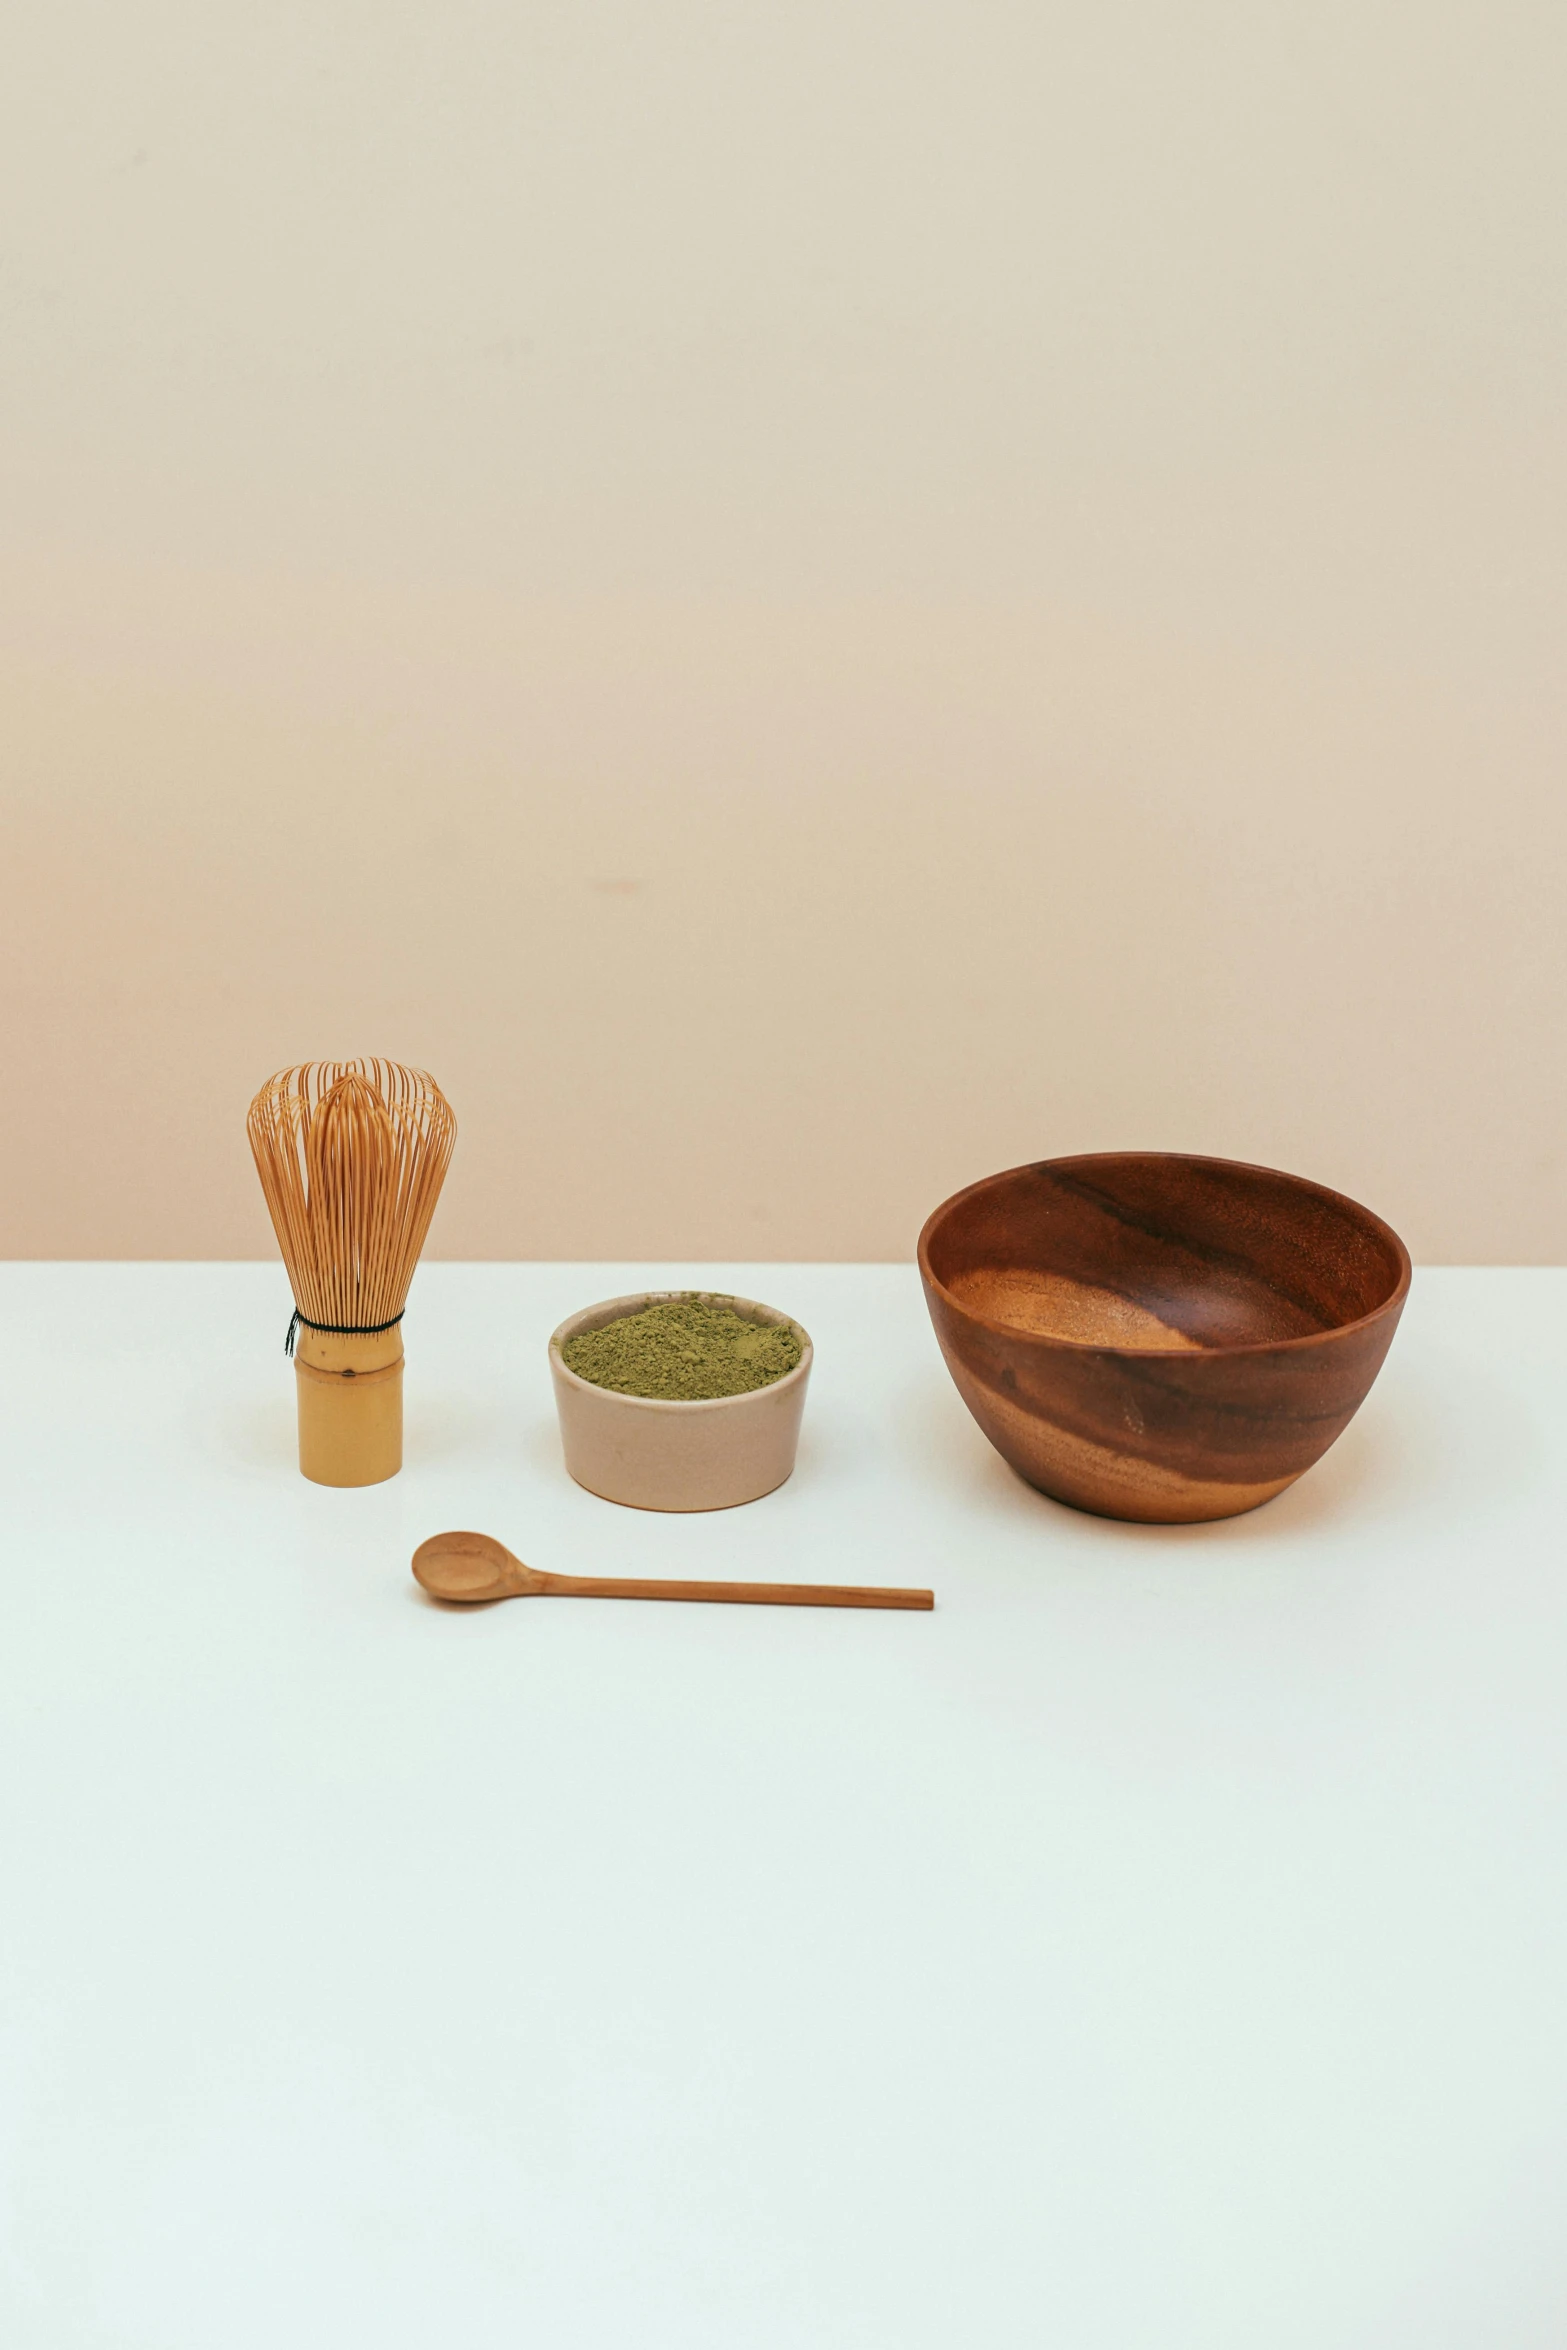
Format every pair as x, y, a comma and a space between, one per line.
471, 1568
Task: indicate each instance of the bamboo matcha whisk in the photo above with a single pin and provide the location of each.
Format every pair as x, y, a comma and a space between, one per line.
352, 1156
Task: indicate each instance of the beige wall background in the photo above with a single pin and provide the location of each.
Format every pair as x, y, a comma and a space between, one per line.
802, 600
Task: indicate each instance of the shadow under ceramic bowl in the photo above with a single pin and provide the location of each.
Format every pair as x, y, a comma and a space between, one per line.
651, 1455
1162, 1338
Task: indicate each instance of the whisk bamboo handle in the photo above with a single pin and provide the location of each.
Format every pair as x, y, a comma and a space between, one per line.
742, 1594
350, 1405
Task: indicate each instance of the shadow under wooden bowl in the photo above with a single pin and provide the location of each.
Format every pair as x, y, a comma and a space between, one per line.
1156, 1337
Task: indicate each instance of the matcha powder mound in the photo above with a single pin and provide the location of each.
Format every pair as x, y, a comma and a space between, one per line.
683, 1350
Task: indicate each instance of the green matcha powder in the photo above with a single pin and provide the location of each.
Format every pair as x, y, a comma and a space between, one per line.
683, 1350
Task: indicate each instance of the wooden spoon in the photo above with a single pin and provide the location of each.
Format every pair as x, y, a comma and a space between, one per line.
473, 1567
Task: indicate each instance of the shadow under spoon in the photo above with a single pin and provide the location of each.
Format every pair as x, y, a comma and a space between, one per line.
470, 1568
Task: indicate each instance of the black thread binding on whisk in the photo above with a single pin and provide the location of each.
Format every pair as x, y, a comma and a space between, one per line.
338, 1329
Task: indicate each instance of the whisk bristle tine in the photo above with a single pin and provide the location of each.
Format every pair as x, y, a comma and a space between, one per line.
352, 1156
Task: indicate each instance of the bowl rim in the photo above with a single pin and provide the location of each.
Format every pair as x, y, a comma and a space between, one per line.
1392, 1304
611, 1309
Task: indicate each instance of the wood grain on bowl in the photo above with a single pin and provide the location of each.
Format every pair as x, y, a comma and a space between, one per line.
1157, 1337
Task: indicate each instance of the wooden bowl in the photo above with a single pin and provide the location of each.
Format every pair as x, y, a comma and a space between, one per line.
1161, 1338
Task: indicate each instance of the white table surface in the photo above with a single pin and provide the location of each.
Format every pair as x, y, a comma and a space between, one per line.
1163, 1946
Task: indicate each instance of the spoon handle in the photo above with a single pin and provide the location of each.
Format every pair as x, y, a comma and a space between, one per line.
744, 1594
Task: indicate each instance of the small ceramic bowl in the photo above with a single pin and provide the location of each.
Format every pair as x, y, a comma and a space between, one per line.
652, 1455
1161, 1338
